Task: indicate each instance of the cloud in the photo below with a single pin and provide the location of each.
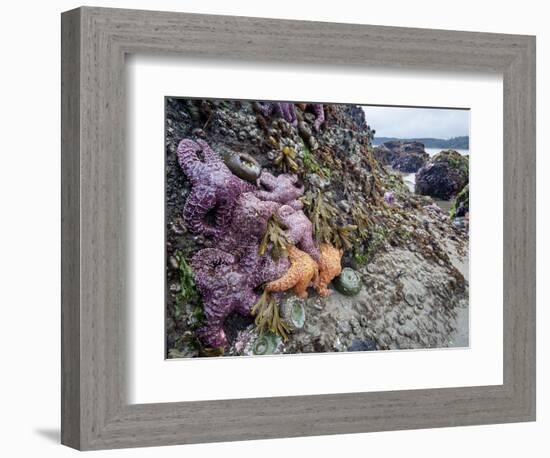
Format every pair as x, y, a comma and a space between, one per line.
407, 122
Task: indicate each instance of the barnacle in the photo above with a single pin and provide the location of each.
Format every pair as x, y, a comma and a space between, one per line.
286, 159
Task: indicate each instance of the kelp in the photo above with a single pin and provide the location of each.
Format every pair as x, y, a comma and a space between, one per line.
276, 237
188, 292
310, 163
268, 317
326, 221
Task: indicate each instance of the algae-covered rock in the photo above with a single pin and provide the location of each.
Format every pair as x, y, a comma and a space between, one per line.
410, 162
348, 282
407, 157
461, 203
443, 176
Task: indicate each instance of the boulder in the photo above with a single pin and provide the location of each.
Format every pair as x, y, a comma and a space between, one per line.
403, 156
410, 162
412, 147
384, 155
444, 176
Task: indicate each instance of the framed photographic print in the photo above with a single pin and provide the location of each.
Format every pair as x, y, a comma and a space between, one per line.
280, 197
274, 241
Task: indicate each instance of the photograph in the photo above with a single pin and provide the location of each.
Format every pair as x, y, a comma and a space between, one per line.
299, 228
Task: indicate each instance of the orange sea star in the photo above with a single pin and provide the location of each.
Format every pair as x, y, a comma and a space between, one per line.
303, 269
329, 268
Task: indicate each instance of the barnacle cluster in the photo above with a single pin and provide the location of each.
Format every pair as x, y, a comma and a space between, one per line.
283, 154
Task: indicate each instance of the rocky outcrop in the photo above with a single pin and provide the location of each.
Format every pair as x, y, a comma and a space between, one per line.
405, 157
443, 176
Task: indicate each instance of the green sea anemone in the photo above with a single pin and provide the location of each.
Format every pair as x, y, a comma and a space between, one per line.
348, 282
266, 344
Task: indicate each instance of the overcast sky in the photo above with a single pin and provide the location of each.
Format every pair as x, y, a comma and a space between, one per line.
417, 122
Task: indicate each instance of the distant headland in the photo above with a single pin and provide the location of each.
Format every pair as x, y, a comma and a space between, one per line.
443, 143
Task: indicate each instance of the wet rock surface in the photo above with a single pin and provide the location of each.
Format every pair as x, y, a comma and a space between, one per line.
461, 203
443, 176
407, 157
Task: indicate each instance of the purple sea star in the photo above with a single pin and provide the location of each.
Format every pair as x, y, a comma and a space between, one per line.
284, 189
299, 230
283, 109
228, 275
224, 289
227, 285
214, 187
319, 115
248, 224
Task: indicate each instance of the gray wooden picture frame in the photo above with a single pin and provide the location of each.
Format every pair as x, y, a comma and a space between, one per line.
95, 41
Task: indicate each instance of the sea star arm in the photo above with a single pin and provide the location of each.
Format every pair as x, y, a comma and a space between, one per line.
266, 108
201, 200
319, 115
287, 281
213, 334
268, 181
289, 113
224, 214
210, 156
308, 245
188, 159
247, 300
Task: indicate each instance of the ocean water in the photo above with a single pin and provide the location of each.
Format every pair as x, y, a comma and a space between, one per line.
434, 151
